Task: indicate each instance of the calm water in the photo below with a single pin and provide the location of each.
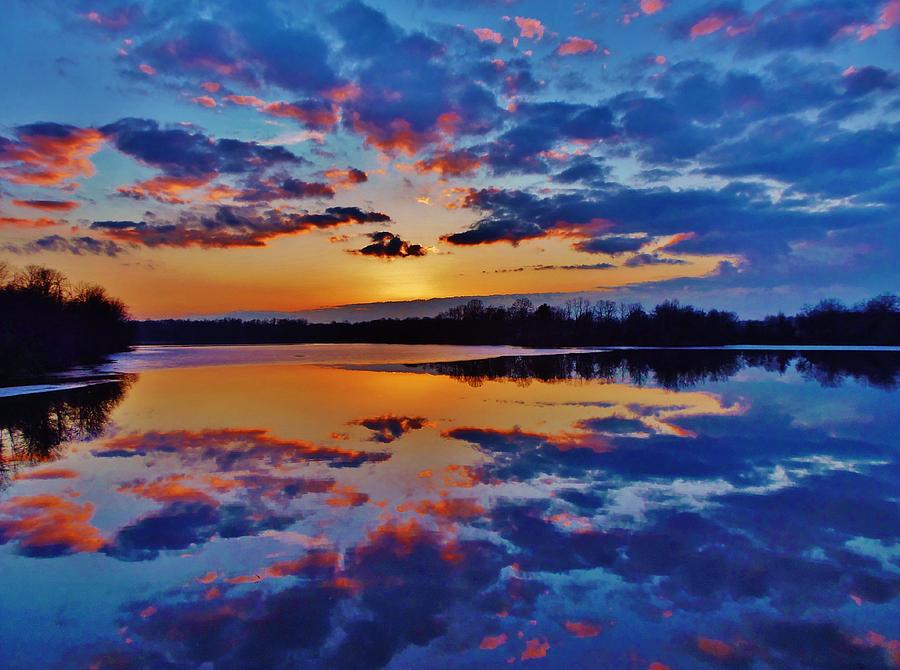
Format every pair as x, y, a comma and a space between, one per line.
332, 507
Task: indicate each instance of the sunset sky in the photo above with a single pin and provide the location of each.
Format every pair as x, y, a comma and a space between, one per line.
200, 157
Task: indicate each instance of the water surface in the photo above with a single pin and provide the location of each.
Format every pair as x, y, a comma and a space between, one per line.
367, 506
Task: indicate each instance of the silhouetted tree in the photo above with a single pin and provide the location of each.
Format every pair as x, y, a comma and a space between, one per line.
47, 324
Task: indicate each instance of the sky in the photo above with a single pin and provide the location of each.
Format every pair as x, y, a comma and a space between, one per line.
207, 157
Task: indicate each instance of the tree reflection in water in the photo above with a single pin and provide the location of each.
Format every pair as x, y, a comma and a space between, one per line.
34, 428
676, 369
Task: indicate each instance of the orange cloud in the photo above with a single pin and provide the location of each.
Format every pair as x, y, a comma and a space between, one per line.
49, 159
49, 525
167, 489
245, 100
450, 163
48, 473
347, 497
653, 6
48, 205
493, 641
576, 45
164, 188
349, 91
320, 117
454, 509
582, 628
707, 26
211, 86
317, 561
340, 178
535, 649
240, 444
26, 223
717, 649
148, 70
204, 101
530, 28
397, 137
488, 35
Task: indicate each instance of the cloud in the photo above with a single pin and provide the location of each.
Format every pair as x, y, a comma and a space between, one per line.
740, 218
450, 163
48, 154
488, 35
48, 525
314, 114
183, 153
641, 260
168, 189
227, 227
78, 246
575, 46
180, 525
539, 128
205, 101
653, 6
530, 28
230, 448
817, 24
288, 188
345, 178
254, 49
409, 95
27, 223
48, 205
388, 427
612, 244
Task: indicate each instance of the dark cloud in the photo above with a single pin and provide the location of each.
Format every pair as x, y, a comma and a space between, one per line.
387, 245
184, 153
738, 218
612, 244
639, 260
408, 95
250, 45
781, 26
539, 128
829, 161
288, 188
182, 525
232, 227
233, 448
389, 427
79, 246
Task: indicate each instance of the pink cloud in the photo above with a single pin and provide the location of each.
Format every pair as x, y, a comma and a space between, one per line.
488, 35
887, 19
577, 45
707, 26
653, 6
204, 101
245, 100
148, 70
530, 28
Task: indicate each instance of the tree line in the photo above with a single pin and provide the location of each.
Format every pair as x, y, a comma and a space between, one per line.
578, 322
677, 369
46, 323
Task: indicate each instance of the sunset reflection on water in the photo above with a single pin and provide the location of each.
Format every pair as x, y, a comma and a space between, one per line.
636, 510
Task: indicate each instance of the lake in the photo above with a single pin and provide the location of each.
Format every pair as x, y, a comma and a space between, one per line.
379, 506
